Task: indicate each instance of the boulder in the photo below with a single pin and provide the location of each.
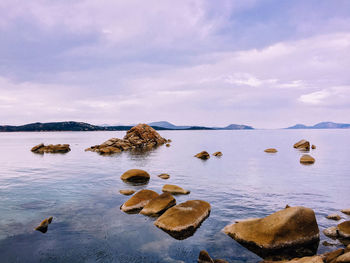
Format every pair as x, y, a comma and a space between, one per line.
346, 211
182, 220
138, 201
217, 154
203, 155
57, 148
158, 205
44, 225
127, 192
291, 232
205, 258
314, 259
270, 150
313, 147
345, 258
344, 229
332, 256
302, 145
334, 217
135, 176
174, 189
307, 159
164, 176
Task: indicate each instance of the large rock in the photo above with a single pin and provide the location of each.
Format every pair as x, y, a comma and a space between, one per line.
174, 189
307, 159
302, 145
344, 229
182, 220
345, 258
57, 148
314, 259
141, 136
203, 155
332, 256
44, 225
138, 201
288, 233
158, 205
135, 176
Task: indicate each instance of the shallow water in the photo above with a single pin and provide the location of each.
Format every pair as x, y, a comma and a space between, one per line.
80, 190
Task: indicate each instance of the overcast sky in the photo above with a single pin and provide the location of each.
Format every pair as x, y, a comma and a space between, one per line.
266, 63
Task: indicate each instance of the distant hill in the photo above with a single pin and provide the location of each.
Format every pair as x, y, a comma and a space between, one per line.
238, 127
322, 125
168, 125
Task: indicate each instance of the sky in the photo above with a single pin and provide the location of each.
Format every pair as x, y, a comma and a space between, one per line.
264, 63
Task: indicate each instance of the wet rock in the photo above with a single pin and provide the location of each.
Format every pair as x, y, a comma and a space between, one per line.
164, 176
167, 145
270, 150
330, 256
57, 148
138, 201
44, 225
203, 155
331, 232
182, 220
345, 258
344, 229
127, 192
217, 154
158, 205
174, 189
328, 244
313, 147
307, 159
346, 211
135, 176
288, 233
334, 217
205, 258
313, 259
302, 145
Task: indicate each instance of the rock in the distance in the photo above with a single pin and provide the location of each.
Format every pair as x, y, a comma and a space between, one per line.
203, 155
307, 159
135, 176
217, 154
270, 150
44, 225
302, 145
333, 217
127, 191
57, 148
174, 189
164, 176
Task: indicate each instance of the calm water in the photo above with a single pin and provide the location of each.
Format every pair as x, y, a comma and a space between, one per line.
80, 190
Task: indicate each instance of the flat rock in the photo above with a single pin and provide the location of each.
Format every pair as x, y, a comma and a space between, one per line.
313, 259
138, 200
302, 145
345, 258
182, 220
44, 225
291, 232
164, 176
217, 154
270, 150
158, 205
57, 148
174, 189
344, 229
307, 159
346, 211
331, 232
334, 217
203, 155
127, 192
135, 176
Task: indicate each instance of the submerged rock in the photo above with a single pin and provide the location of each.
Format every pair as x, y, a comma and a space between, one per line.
346, 211
127, 192
217, 154
205, 258
270, 150
164, 176
44, 225
307, 159
138, 201
135, 176
302, 145
288, 233
334, 217
57, 148
158, 205
174, 189
182, 220
203, 155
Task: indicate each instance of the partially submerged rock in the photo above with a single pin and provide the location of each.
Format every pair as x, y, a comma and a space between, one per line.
344, 229
158, 205
203, 155
138, 201
288, 233
217, 154
164, 176
270, 150
204, 257
313, 147
167, 145
302, 145
135, 176
307, 159
57, 148
331, 232
174, 189
333, 217
346, 211
44, 225
127, 191
182, 220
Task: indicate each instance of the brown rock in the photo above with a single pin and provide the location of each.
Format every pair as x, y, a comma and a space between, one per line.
346, 211
205, 258
345, 258
331, 232
330, 256
203, 155
291, 232
181, 221
334, 217
313, 147
174, 189
169, 140
217, 154
164, 176
314, 259
270, 150
138, 200
158, 205
307, 159
44, 225
58, 148
135, 176
302, 145
126, 192
347, 249
167, 145
344, 229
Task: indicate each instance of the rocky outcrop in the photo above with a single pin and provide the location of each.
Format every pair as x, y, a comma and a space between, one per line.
270, 150
174, 189
203, 155
158, 205
138, 201
346, 211
217, 154
302, 145
127, 192
334, 217
137, 176
44, 225
204, 257
164, 176
307, 159
141, 136
288, 233
182, 220
57, 148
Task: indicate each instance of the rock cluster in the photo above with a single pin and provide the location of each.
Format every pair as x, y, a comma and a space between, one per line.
57, 148
44, 225
141, 136
302, 145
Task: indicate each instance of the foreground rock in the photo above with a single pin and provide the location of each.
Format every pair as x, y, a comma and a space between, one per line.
334, 217
217, 154
346, 211
345, 258
341, 232
141, 136
182, 220
288, 233
270, 150
164, 176
314, 259
138, 201
302, 145
158, 205
126, 192
135, 176
57, 148
44, 225
174, 189
307, 159
203, 155
205, 258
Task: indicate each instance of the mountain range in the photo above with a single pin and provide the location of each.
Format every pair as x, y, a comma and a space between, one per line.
322, 125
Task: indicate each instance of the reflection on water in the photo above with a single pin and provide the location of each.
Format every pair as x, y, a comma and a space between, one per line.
80, 190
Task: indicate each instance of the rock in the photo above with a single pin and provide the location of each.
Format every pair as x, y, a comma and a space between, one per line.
313, 147
331, 232
58, 148
313, 259
328, 244
330, 256
344, 229
346, 211
347, 249
307, 159
135, 176
302, 145
203, 155
174, 189
169, 141
138, 200
182, 220
205, 258
126, 192
164, 176
158, 205
345, 258
270, 150
167, 145
44, 225
334, 217
291, 232
217, 154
